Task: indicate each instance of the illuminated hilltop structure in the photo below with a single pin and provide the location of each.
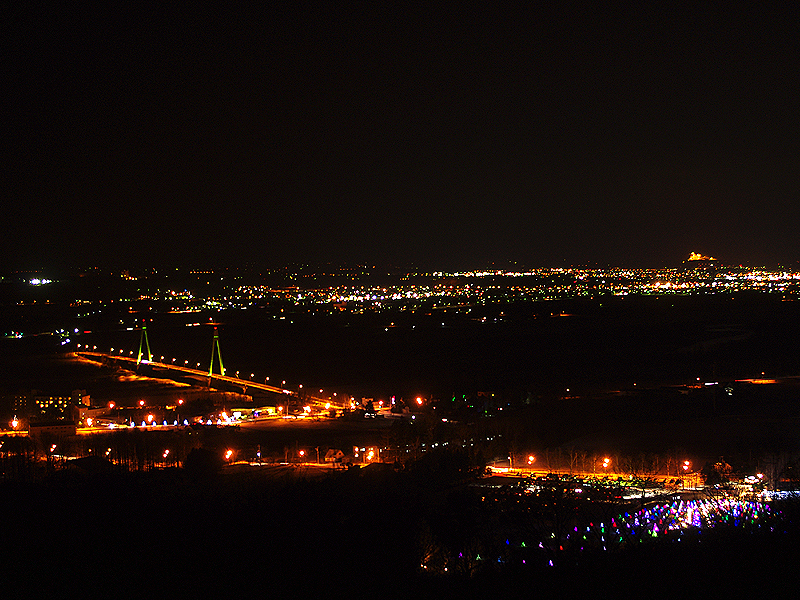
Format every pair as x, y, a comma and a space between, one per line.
694, 256
700, 264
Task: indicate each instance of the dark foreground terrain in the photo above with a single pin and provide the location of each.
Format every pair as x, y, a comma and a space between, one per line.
196, 532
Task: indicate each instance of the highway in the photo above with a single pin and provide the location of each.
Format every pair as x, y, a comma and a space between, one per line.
244, 383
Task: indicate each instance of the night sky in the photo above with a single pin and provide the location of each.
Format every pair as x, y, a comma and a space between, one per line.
402, 134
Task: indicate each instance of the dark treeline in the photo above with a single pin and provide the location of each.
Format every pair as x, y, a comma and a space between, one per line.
26, 459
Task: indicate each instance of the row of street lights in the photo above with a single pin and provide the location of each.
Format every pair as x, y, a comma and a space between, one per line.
605, 464
186, 364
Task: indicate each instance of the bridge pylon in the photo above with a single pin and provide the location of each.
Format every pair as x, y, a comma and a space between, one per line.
215, 346
143, 338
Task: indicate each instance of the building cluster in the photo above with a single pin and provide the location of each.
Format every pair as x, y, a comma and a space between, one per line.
485, 287
370, 290
38, 406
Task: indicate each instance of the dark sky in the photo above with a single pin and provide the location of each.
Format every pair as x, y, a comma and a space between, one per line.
401, 134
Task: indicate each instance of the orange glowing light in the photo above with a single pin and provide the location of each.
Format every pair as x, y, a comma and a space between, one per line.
696, 256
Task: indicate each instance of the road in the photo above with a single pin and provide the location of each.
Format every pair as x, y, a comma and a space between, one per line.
244, 383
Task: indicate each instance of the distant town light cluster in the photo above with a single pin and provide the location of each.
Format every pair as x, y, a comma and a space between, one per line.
368, 290
531, 285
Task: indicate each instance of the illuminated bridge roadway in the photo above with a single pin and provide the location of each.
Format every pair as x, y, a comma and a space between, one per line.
243, 383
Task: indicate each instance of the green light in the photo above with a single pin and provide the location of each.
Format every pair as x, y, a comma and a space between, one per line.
143, 337
215, 345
